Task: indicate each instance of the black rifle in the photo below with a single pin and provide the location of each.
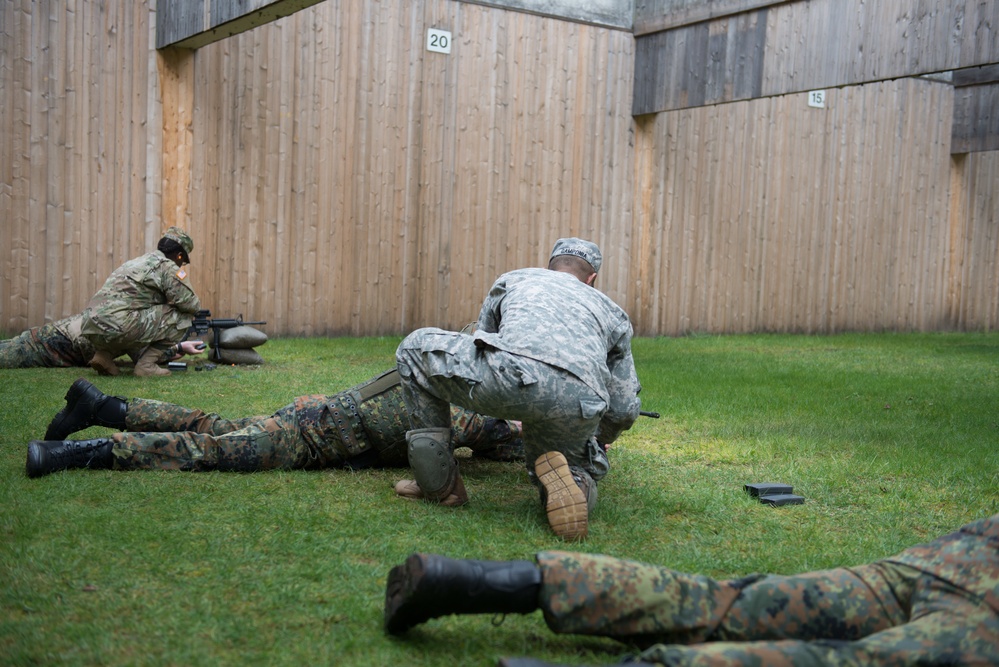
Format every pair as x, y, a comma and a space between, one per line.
653, 415
203, 323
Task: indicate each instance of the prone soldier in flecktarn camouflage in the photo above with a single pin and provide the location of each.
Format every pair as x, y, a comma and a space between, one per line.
59, 345
549, 350
932, 604
54, 345
364, 426
147, 302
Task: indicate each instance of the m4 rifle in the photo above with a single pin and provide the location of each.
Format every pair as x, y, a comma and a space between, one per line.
204, 322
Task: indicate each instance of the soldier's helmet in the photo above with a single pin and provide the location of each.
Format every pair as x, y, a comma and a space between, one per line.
180, 236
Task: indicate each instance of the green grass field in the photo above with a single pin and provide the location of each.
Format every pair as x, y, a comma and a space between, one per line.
892, 440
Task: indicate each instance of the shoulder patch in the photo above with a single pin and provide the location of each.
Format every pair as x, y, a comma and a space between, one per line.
182, 274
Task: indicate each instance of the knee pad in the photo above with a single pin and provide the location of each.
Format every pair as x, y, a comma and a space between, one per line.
432, 461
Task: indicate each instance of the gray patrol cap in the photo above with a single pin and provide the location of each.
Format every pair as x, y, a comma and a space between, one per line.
585, 250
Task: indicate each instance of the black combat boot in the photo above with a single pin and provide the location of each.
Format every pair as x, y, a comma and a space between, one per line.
49, 456
427, 586
86, 406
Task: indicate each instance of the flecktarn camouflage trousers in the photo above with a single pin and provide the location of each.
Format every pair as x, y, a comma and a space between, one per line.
936, 603
43, 346
164, 436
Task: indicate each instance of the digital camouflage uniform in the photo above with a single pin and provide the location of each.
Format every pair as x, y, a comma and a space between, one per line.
549, 350
55, 345
362, 427
146, 301
936, 603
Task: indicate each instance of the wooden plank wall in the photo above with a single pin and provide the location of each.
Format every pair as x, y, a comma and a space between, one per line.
377, 187
976, 110
768, 215
345, 180
658, 15
974, 265
79, 164
798, 46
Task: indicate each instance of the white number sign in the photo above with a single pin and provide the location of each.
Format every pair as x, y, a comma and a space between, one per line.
817, 99
439, 41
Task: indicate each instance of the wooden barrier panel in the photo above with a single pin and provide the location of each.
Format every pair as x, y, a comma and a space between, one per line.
442, 170
345, 180
770, 215
798, 46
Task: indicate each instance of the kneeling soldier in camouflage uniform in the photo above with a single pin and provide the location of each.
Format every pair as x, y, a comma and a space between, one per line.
549, 350
364, 426
932, 604
147, 303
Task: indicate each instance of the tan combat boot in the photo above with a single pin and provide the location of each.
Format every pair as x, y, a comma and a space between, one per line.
103, 363
146, 365
410, 490
565, 503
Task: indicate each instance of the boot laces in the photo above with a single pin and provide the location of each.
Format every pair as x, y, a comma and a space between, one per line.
76, 451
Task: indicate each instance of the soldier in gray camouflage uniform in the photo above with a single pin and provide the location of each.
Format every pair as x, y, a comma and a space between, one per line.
932, 604
148, 302
362, 427
550, 351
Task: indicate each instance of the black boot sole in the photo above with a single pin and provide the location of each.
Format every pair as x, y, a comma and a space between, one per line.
36, 464
403, 598
57, 427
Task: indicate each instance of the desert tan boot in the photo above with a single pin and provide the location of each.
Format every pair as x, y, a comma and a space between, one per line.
103, 363
410, 490
565, 502
146, 365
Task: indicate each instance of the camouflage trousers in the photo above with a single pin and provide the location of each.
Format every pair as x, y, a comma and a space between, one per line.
164, 436
558, 411
936, 603
43, 346
158, 327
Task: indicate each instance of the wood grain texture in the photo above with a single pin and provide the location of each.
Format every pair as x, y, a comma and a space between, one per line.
343, 180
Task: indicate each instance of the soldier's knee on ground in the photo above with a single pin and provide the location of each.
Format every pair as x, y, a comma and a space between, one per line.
432, 460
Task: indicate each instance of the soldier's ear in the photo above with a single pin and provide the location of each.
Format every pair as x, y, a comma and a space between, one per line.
590, 278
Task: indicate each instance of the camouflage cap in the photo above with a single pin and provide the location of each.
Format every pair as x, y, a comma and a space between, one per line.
586, 250
180, 236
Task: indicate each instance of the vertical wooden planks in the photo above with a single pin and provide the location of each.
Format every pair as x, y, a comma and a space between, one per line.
344, 180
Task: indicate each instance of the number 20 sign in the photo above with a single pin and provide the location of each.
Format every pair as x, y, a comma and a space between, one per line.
438, 40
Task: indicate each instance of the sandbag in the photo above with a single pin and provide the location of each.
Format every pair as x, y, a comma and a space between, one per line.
241, 357
239, 338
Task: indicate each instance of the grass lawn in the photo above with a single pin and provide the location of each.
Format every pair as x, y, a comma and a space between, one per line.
891, 439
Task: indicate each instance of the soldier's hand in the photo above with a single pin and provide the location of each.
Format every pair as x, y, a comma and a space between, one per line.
191, 347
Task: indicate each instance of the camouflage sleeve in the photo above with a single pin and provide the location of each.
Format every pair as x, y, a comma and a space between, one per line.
623, 389
173, 282
489, 315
